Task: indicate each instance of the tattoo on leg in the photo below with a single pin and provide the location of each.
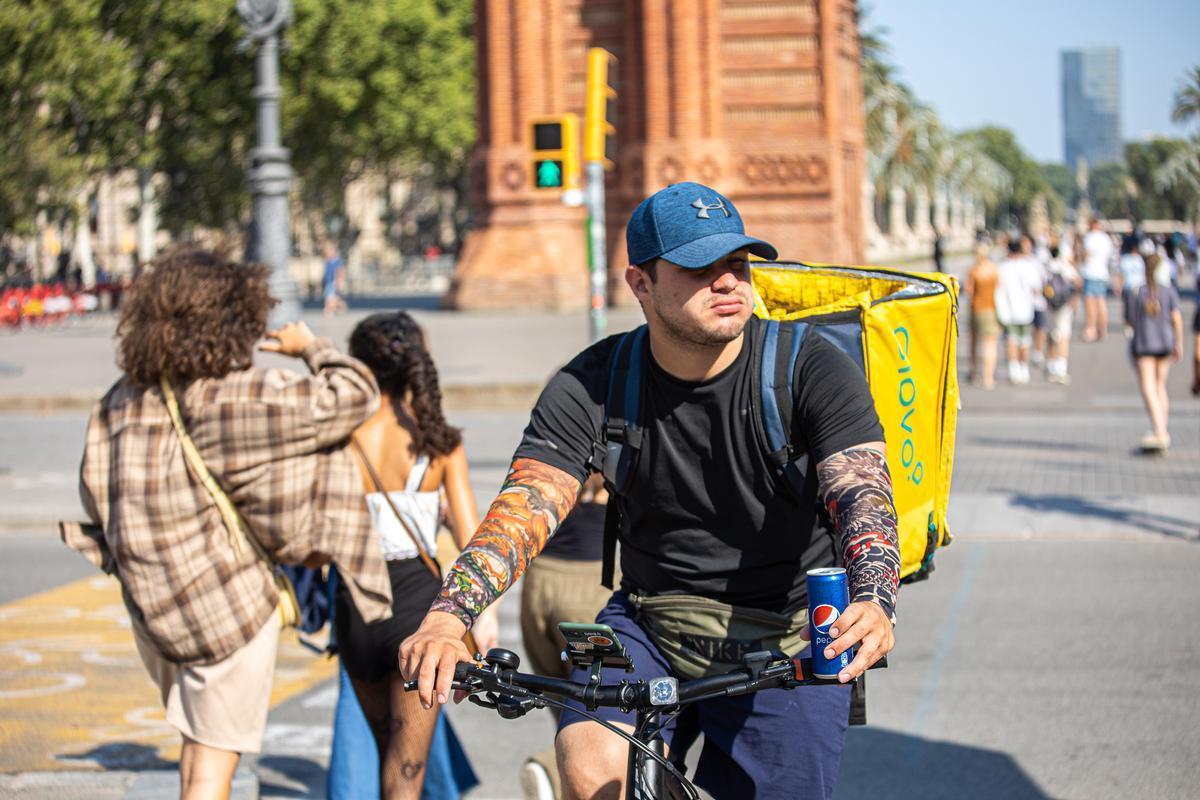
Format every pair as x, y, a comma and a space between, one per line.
411, 770
533, 501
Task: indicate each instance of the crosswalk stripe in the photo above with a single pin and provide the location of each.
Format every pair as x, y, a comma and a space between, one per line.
73, 692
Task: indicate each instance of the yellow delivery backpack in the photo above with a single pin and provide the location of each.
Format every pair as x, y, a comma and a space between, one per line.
900, 327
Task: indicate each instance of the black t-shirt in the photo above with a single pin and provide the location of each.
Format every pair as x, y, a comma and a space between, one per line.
580, 537
702, 511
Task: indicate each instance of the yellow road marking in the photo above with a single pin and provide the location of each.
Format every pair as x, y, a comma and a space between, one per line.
71, 680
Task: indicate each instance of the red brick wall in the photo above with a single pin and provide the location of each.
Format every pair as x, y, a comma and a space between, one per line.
759, 98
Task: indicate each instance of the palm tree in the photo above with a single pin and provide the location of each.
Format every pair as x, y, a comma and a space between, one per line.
1187, 99
1182, 169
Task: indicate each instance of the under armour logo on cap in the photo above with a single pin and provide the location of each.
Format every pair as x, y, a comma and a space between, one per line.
690, 225
705, 208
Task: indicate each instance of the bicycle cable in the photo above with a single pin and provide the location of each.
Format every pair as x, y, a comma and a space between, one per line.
675, 773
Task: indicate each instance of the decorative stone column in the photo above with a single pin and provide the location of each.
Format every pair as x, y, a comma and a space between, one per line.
922, 229
941, 210
899, 234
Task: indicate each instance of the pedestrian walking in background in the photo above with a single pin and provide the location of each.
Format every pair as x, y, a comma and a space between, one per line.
1041, 311
194, 553
1131, 266
938, 251
1097, 253
1196, 352
1018, 284
980, 288
333, 284
407, 450
1063, 283
562, 585
1154, 323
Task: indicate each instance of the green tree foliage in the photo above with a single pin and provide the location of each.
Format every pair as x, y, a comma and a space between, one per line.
58, 72
98, 85
1144, 159
1000, 144
383, 84
1061, 180
1111, 191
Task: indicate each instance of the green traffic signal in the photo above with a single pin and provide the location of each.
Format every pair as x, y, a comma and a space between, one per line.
549, 174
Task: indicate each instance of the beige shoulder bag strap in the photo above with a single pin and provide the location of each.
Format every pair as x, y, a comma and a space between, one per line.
426, 559
289, 606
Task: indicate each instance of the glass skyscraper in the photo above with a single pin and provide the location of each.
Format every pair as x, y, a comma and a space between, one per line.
1091, 97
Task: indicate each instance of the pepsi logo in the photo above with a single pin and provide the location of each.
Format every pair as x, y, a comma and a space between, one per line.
823, 616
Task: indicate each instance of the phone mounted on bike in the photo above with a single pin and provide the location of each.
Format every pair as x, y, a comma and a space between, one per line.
590, 642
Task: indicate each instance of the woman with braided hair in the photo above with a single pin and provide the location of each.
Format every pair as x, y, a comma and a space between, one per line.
408, 450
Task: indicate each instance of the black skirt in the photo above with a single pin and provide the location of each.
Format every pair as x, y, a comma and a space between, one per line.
370, 651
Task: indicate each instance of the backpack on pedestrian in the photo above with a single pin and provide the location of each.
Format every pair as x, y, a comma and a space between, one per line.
1058, 290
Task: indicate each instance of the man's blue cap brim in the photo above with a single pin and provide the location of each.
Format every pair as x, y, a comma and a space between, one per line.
700, 253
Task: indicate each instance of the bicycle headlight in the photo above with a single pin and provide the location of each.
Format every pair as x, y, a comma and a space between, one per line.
664, 691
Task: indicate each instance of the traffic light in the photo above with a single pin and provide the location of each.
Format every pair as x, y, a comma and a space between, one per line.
555, 146
600, 111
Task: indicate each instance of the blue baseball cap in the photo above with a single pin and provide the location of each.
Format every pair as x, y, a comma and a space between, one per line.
690, 225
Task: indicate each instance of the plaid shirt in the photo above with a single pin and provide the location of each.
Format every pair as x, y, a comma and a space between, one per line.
274, 440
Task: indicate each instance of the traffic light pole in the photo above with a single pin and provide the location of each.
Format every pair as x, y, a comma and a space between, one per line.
597, 252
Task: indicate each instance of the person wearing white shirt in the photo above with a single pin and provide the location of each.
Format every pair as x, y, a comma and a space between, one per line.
1062, 284
1017, 287
1097, 253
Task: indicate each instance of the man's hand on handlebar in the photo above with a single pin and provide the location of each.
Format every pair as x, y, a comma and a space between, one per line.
429, 656
863, 624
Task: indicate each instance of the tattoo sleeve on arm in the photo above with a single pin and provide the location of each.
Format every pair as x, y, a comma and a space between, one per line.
856, 489
533, 501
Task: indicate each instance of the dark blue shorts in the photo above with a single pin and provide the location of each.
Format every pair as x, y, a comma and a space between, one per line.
771, 744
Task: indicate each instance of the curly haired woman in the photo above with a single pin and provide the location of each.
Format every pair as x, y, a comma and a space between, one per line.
418, 459
202, 601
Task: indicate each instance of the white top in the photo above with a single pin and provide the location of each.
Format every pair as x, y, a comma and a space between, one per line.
1133, 270
1060, 266
1018, 284
1097, 252
422, 510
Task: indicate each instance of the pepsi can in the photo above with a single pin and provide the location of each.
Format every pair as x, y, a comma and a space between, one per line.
828, 596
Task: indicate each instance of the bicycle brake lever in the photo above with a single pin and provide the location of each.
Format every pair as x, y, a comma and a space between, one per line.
483, 702
513, 707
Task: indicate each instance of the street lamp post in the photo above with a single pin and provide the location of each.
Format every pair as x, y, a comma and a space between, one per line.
269, 172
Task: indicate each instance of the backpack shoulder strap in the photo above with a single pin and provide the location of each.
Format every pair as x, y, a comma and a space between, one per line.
615, 453
775, 363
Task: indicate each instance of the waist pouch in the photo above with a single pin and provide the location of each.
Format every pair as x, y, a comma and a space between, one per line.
700, 637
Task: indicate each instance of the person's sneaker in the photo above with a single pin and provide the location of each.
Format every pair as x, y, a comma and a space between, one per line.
1063, 378
536, 781
1037, 359
1152, 444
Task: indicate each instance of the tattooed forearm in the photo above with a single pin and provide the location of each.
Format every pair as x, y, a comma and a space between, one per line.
533, 501
856, 489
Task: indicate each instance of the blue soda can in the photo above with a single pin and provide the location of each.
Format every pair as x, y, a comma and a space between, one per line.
828, 596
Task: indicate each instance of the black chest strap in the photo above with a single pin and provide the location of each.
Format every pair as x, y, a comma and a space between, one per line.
615, 454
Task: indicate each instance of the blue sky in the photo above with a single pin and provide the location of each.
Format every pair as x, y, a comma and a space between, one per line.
997, 62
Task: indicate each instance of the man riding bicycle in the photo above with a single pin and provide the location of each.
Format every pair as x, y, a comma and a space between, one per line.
703, 521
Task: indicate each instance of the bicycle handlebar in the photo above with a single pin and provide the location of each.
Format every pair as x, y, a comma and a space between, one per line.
762, 670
